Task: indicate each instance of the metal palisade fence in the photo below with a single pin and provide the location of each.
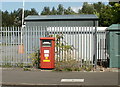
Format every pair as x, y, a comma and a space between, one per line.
72, 43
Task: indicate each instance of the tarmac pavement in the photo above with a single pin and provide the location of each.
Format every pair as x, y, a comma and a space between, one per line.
53, 79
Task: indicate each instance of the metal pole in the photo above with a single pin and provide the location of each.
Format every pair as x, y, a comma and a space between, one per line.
22, 23
95, 43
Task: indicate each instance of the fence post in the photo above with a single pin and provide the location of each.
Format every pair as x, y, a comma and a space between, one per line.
95, 43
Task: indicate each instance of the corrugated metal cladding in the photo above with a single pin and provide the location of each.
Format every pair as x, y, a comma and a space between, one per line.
62, 20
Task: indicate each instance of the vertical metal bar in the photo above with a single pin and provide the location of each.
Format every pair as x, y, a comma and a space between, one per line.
39, 33
25, 47
18, 42
2, 37
86, 47
36, 39
6, 60
73, 42
66, 42
54, 28
20, 45
62, 42
30, 39
95, 45
75, 46
58, 32
81, 45
102, 41
89, 45
15, 44
98, 45
44, 32
52, 32
77, 32
32, 34
69, 32
92, 46
1, 47
104, 47
7, 55
59, 43
28, 31
2, 34
33, 39
31, 31
13, 48
10, 43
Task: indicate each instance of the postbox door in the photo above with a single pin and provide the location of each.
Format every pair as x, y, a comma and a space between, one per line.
46, 54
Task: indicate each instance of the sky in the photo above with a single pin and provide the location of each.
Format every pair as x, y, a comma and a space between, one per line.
11, 6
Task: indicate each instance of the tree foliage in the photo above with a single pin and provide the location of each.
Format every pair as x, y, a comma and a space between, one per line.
88, 8
108, 14
46, 11
14, 18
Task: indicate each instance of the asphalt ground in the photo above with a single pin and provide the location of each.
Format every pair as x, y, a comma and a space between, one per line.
37, 78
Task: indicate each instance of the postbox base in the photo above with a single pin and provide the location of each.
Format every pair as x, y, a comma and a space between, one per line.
46, 68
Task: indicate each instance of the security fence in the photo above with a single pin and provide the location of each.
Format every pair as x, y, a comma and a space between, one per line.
18, 45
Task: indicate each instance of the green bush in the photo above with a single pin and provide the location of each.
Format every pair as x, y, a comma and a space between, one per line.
70, 65
35, 57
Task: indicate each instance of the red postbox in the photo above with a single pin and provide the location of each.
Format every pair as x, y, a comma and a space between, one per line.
47, 52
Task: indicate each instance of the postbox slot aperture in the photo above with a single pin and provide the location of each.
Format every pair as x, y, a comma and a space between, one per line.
46, 43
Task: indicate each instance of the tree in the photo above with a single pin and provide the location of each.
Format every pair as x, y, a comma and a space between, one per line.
98, 6
105, 16
60, 9
53, 11
116, 13
46, 11
14, 18
7, 19
68, 11
80, 11
87, 8
33, 12
110, 14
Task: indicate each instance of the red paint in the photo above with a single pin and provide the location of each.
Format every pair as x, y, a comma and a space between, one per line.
49, 51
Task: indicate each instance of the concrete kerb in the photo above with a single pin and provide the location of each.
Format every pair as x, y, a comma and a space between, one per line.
52, 85
34, 69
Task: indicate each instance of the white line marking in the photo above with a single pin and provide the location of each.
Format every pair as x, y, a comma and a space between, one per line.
72, 80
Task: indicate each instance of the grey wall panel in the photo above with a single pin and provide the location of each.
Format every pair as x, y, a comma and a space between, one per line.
60, 23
